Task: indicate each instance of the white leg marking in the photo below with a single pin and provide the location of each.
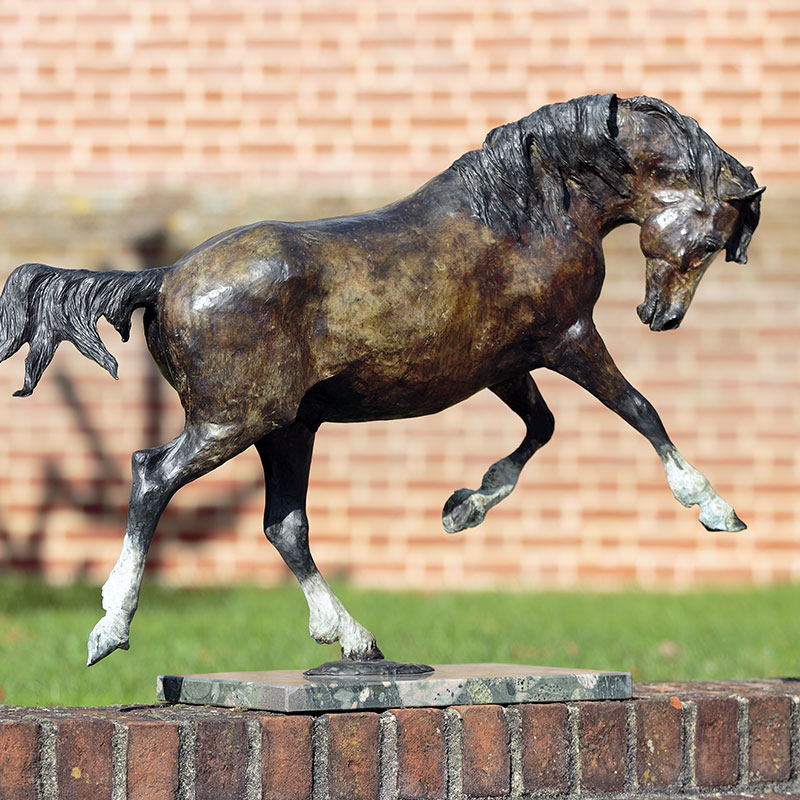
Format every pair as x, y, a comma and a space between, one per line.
120, 600
329, 621
466, 509
691, 487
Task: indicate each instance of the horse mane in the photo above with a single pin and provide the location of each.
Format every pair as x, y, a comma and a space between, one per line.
519, 178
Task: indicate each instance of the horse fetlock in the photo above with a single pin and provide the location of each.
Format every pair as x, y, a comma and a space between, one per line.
338, 626
111, 633
689, 486
324, 626
696, 495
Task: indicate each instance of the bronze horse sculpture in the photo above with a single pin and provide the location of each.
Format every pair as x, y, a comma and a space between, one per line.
489, 271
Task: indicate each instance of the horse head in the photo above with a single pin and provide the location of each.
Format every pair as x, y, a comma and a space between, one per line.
680, 238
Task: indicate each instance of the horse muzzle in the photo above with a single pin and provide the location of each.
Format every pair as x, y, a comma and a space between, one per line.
661, 317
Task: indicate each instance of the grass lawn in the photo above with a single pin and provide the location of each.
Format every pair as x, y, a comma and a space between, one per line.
697, 635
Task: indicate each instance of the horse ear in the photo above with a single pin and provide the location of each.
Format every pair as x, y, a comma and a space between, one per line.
747, 197
748, 205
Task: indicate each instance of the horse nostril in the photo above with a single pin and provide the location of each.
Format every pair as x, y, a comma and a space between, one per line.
670, 323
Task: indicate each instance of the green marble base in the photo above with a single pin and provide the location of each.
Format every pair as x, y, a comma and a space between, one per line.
448, 684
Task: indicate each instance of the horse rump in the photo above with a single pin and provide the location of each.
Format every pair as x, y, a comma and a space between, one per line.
45, 306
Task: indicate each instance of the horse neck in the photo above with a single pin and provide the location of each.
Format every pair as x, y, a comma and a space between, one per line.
600, 208
653, 155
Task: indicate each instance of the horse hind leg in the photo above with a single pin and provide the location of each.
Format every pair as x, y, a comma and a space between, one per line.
157, 474
286, 457
466, 508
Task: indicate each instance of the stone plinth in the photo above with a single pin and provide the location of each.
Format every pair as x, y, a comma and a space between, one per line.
447, 685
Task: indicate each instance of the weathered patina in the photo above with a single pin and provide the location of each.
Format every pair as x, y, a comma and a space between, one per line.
489, 271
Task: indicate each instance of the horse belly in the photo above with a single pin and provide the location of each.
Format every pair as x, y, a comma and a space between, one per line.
348, 399
422, 378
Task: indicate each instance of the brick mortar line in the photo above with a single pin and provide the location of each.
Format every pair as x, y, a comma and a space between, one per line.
574, 775
387, 763
794, 740
48, 776
743, 735
119, 761
253, 768
187, 760
631, 747
319, 758
514, 724
687, 777
454, 754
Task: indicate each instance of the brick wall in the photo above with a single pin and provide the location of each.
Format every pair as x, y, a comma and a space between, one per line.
728, 739
359, 93
115, 121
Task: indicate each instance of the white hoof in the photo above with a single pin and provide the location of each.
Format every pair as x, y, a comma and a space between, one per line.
110, 634
691, 488
720, 516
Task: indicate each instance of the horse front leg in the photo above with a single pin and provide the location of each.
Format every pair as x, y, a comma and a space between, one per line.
583, 358
466, 508
286, 458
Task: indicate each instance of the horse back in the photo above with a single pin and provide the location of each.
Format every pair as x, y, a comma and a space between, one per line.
394, 312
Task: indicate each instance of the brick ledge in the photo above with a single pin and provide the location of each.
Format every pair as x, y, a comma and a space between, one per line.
733, 739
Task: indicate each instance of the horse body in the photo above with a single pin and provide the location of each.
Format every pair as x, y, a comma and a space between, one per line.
490, 270
394, 313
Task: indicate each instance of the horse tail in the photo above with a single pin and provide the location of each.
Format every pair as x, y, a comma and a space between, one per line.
45, 305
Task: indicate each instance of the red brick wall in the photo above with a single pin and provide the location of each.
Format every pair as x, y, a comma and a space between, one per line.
349, 93
114, 120
726, 739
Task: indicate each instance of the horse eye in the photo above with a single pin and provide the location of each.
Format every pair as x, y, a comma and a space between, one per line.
710, 245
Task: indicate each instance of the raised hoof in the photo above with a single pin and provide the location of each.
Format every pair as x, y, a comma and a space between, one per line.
104, 639
732, 524
721, 517
461, 511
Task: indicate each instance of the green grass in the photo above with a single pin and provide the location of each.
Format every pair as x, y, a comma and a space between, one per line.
697, 635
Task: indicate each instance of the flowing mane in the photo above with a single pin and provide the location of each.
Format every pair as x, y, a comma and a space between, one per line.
519, 178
